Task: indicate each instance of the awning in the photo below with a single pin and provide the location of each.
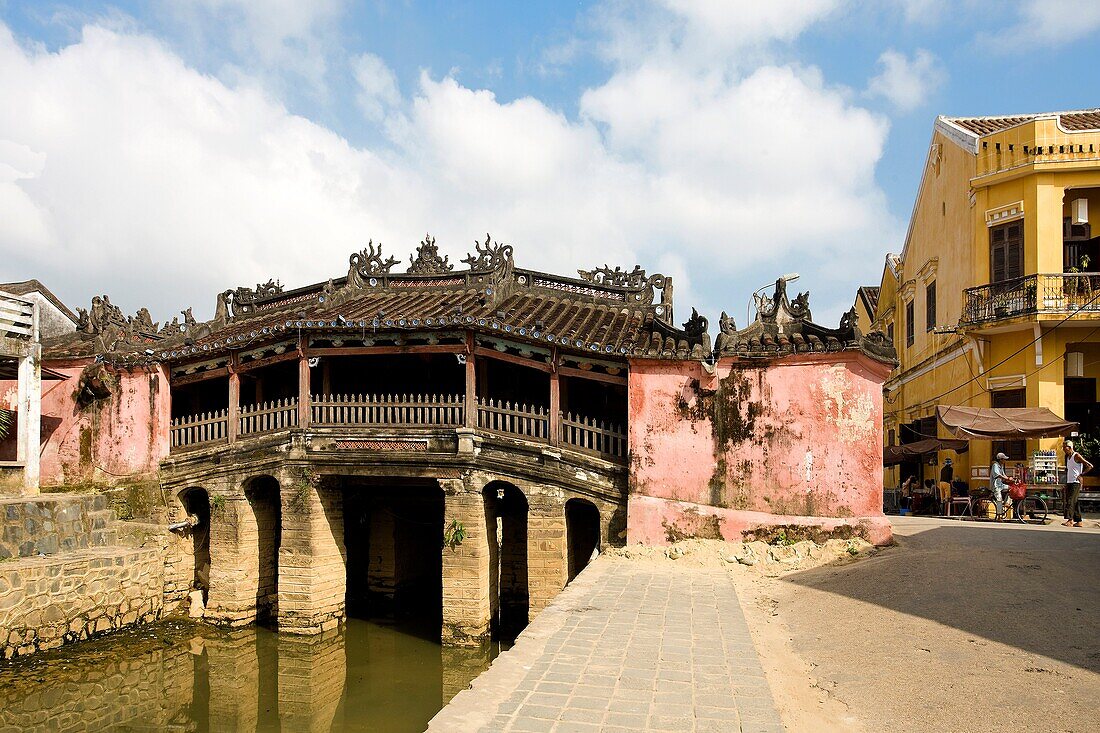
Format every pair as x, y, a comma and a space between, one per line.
1003, 423
895, 454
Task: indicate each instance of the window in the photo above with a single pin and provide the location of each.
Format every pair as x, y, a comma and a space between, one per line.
892, 437
1006, 252
890, 331
930, 306
1016, 450
909, 331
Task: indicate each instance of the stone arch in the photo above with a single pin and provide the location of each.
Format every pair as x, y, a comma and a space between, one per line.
582, 532
260, 528
506, 516
196, 503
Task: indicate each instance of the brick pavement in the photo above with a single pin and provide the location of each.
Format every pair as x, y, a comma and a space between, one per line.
628, 646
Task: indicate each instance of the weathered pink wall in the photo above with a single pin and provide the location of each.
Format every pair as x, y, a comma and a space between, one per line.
122, 436
798, 437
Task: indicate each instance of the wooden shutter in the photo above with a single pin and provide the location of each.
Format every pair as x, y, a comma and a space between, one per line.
1006, 252
930, 306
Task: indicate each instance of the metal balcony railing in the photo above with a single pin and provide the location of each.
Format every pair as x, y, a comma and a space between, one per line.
1062, 293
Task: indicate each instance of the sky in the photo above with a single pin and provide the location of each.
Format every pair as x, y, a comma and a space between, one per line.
164, 151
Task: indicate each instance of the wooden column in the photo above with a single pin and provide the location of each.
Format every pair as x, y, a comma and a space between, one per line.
303, 392
234, 421
471, 383
555, 400
326, 377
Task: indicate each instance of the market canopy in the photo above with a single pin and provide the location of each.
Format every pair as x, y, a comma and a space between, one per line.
895, 454
1003, 423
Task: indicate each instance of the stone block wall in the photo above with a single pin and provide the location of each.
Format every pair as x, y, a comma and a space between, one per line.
465, 567
547, 564
312, 577
54, 523
45, 602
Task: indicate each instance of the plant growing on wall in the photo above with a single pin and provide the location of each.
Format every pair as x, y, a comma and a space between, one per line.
454, 534
217, 505
299, 500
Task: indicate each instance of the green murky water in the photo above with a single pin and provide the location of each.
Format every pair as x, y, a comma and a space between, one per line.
369, 676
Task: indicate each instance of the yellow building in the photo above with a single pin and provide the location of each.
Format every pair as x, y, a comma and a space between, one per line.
995, 298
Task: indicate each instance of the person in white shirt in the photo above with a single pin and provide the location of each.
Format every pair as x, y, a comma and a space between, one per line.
998, 481
1076, 465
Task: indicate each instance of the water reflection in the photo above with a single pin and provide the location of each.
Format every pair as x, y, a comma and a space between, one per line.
369, 676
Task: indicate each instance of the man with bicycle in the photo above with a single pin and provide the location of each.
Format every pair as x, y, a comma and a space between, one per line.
1076, 465
998, 482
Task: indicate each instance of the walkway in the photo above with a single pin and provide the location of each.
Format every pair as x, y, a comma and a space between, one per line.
628, 646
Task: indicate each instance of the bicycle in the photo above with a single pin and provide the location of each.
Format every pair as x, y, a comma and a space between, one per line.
1026, 509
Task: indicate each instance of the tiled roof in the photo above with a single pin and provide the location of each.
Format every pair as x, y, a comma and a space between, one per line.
785, 327
607, 312
34, 286
869, 294
1076, 121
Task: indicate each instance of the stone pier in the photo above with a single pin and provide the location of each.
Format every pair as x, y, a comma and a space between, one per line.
466, 582
312, 576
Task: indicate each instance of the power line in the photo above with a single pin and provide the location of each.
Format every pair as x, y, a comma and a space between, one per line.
1021, 350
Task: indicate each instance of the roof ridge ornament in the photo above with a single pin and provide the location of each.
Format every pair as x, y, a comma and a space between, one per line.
618, 277
368, 262
490, 255
427, 260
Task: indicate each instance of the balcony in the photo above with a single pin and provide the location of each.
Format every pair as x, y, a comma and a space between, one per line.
406, 413
1058, 294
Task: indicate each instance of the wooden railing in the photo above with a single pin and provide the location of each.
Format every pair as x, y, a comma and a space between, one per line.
526, 422
593, 436
269, 417
206, 427
397, 410
498, 416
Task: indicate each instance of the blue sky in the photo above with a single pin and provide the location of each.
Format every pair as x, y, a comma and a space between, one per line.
164, 151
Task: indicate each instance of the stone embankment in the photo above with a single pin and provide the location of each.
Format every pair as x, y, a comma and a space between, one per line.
65, 577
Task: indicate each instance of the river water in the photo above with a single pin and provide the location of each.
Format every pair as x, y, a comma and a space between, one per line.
368, 676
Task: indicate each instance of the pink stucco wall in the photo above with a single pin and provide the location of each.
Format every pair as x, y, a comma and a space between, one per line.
799, 437
123, 436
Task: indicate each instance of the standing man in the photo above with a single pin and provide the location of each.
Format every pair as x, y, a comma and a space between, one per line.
998, 481
947, 473
1076, 465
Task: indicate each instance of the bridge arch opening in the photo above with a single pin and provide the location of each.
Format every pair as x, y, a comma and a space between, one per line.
196, 502
393, 536
582, 531
506, 510
265, 503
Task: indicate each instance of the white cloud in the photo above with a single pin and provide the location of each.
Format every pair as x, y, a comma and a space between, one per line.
907, 83
377, 86
1046, 23
130, 171
268, 37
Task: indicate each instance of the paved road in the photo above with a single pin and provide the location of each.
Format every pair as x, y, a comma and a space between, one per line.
627, 647
963, 626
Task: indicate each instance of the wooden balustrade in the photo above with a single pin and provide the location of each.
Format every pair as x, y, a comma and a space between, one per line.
397, 410
498, 416
529, 422
269, 417
593, 436
206, 427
